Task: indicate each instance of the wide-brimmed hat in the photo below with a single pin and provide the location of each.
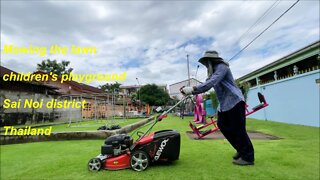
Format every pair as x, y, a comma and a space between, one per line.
212, 56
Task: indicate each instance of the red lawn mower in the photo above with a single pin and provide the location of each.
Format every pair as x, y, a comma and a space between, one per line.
120, 152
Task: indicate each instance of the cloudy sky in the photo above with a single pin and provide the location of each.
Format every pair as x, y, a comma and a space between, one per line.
150, 39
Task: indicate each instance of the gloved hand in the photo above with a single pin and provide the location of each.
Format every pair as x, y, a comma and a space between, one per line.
186, 90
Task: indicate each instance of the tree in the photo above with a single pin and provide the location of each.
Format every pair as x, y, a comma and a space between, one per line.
244, 87
134, 98
214, 100
111, 87
54, 67
153, 95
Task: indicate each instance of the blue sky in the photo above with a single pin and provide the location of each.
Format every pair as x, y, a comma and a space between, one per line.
150, 39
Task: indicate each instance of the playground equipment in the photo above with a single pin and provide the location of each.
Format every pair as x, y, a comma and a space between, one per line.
98, 106
201, 134
199, 112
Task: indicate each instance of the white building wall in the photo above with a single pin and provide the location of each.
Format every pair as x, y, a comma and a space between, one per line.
175, 88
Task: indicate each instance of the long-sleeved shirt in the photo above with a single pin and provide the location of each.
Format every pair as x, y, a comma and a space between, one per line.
228, 93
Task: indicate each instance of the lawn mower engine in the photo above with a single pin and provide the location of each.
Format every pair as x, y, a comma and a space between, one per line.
119, 151
116, 145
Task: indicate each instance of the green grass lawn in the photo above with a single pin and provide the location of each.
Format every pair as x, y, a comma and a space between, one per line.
92, 124
296, 156
84, 125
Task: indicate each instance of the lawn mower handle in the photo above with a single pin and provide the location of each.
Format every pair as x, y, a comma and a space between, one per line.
159, 118
167, 111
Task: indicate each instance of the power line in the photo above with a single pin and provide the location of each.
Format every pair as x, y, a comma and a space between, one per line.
259, 20
264, 30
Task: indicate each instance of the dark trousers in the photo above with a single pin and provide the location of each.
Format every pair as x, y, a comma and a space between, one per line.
232, 124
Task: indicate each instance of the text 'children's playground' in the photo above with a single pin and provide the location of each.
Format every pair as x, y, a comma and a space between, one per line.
80, 78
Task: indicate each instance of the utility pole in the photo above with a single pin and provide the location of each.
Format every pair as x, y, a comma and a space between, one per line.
189, 84
188, 70
139, 94
196, 74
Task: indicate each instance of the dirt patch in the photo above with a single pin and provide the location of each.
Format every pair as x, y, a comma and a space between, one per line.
219, 135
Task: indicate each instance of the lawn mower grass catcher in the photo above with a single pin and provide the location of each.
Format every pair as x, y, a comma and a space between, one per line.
120, 152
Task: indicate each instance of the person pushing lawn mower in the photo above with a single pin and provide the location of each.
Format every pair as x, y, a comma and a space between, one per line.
231, 110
